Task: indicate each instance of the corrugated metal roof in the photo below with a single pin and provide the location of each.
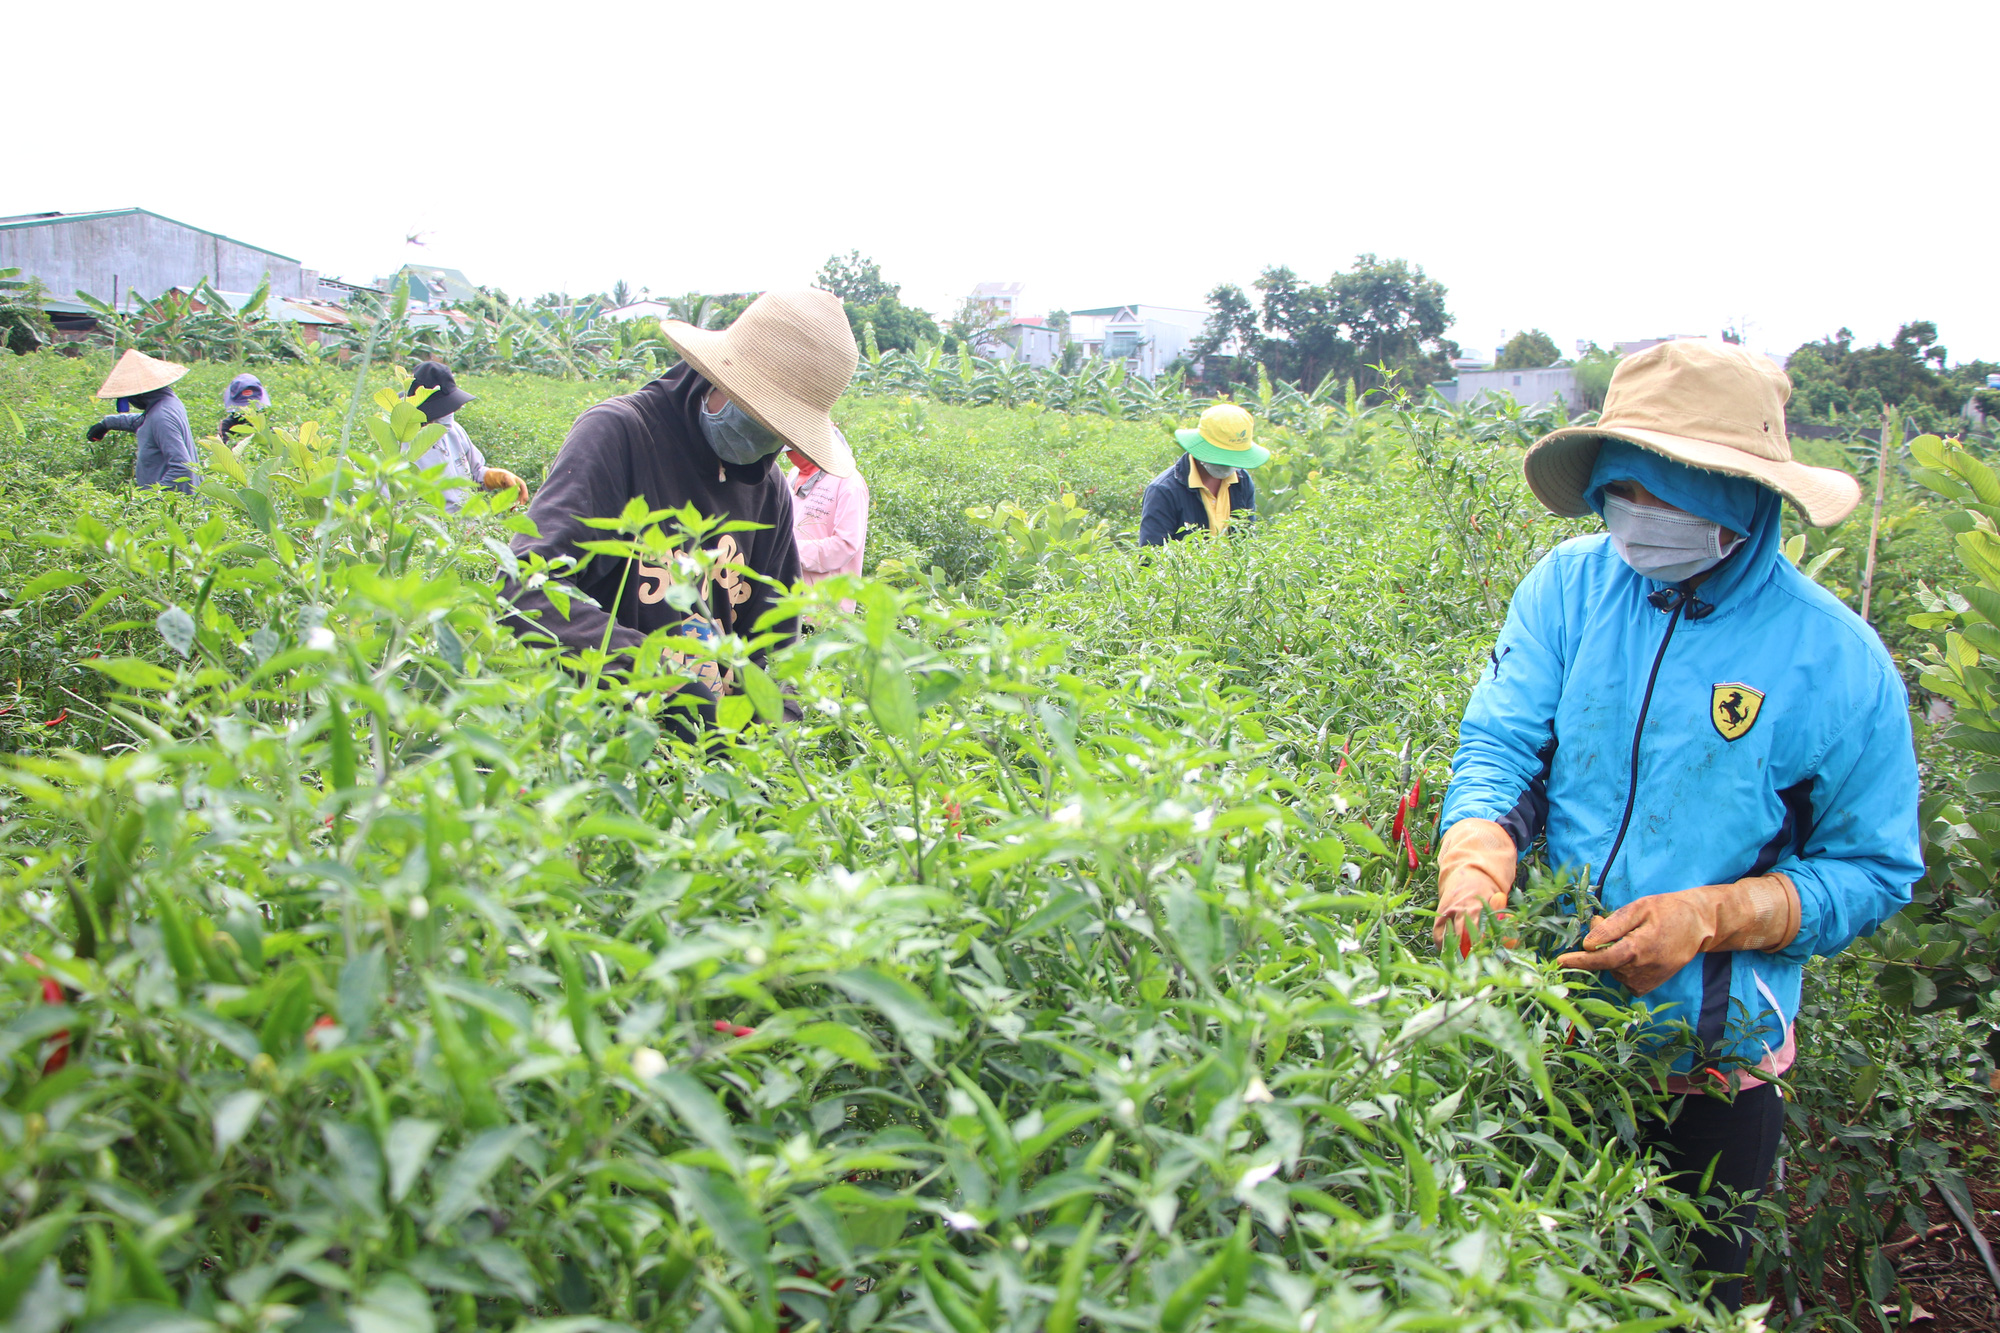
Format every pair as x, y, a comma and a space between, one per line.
58, 219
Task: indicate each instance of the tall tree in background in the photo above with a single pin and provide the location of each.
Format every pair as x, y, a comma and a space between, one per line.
1379, 313
868, 297
1232, 320
1832, 377
1529, 350
855, 280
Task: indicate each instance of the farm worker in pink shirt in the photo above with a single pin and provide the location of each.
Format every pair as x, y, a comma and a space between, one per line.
829, 520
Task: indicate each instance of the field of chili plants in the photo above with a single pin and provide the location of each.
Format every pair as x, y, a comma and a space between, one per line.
1067, 965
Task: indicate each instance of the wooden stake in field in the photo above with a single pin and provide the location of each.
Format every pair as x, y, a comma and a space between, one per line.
1875, 523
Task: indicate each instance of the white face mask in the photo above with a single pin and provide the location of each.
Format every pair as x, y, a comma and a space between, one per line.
1664, 544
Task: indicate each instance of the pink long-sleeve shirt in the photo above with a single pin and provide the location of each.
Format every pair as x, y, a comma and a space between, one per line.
830, 521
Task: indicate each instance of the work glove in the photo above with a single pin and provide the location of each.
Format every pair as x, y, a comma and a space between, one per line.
1476, 862
499, 478
97, 431
1649, 939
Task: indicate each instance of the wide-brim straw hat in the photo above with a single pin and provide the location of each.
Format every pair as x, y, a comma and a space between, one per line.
1222, 439
137, 373
785, 361
1710, 405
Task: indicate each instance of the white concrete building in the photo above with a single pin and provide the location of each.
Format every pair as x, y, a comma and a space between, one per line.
125, 255
1149, 338
1529, 388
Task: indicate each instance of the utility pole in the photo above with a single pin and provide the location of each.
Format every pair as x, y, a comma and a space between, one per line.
1891, 437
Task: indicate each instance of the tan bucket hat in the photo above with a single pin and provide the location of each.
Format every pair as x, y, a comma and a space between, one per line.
138, 373
786, 359
1709, 405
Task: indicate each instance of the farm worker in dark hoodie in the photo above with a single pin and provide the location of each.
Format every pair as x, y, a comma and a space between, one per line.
705, 434
166, 454
455, 451
1715, 738
1204, 491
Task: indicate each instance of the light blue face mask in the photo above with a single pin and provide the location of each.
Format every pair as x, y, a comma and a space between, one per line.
737, 437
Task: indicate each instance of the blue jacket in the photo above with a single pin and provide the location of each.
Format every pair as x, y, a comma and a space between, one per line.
1171, 506
1821, 784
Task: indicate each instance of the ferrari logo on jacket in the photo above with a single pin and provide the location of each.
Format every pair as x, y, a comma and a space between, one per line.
1733, 708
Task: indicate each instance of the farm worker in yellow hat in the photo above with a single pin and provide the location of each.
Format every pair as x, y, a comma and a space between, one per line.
1205, 490
1715, 746
165, 454
707, 434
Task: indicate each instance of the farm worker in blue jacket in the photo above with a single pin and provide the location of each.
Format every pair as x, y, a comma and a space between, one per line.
166, 454
1207, 489
1714, 739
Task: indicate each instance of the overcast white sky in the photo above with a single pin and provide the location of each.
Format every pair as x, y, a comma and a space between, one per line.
1601, 171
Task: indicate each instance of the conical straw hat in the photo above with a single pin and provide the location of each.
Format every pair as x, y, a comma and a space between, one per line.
138, 373
786, 360
1709, 405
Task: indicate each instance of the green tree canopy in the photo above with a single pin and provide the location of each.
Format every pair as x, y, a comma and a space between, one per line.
855, 280
869, 298
1833, 378
1379, 313
1530, 349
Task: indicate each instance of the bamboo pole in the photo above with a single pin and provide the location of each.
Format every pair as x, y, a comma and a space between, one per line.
1875, 523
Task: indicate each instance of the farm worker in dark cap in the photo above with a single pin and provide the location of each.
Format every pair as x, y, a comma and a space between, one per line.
705, 434
1716, 741
244, 391
166, 454
1205, 490
455, 451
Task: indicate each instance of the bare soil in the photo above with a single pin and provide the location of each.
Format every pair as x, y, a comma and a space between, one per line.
1947, 1286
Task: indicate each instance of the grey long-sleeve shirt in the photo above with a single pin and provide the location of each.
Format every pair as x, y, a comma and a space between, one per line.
166, 445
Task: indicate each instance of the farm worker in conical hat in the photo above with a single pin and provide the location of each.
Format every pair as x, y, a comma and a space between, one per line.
1206, 489
1716, 741
455, 451
706, 434
165, 455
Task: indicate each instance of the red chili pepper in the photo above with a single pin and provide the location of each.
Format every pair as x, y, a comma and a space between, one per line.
1343, 756
742, 1032
57, 719
320, 1024
52, 993
723, 1025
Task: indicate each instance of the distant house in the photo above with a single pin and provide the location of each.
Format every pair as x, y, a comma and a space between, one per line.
1002, 298
1148, 338
430, 287
125, 255
659, 310
317, 320
1529, 388
1028, 340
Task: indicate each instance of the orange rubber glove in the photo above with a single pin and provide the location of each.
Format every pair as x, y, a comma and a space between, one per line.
499, 478
1476, 863
1649, 939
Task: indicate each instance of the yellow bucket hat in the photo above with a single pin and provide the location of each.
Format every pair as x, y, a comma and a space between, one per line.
1223, 438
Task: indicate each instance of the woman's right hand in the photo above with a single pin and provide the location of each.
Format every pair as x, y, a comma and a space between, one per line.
97, 431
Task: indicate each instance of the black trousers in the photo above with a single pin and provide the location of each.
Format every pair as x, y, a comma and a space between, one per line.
1741, 1138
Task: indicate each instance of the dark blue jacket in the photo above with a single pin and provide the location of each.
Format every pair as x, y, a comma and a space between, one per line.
166, 455
1172, 506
